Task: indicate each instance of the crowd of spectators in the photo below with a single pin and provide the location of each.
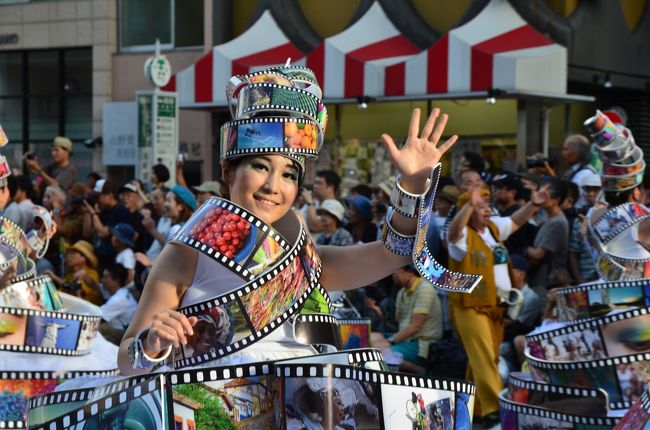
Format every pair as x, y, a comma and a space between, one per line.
520, 230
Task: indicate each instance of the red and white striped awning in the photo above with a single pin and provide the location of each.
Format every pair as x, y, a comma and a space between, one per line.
495, 50
262, 45
353, 63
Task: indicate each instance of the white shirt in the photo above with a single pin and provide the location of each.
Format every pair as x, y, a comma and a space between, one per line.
119, 309
126, 258
458, 250
163, 226
577, 179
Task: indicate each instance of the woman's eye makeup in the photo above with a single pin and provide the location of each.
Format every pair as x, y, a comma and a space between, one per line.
635, 338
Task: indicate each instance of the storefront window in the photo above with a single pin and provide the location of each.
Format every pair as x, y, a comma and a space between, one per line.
44, 94
143, 21
11, 74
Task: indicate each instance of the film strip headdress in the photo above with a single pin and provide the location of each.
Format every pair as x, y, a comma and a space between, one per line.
612, 235
275, 111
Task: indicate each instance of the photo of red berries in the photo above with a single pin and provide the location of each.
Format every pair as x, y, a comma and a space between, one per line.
225, 231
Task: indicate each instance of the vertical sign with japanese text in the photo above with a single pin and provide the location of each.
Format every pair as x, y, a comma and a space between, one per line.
144, 101
165, 148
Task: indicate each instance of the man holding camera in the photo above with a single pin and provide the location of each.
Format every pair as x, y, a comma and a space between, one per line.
61, 172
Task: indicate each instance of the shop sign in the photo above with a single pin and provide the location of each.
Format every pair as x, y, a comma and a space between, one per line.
9, 39
144, 102
166, 131
120, 134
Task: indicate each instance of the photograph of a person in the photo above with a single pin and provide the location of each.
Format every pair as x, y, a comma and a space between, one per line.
330, 404
417, 408
214, 330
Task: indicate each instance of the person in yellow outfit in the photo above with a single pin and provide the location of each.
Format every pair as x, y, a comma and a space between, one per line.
81, 277
475, 246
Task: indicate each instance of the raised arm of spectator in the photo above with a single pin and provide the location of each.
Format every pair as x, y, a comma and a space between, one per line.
313, 220
461, 219
526, 212
34, 166
180, 176
150, 225
98, 226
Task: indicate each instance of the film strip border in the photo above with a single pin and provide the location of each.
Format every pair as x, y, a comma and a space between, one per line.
376, 376
183, 237
88, 394
553, 415
29, 273
282, 144
42, 328
426, 265
38, 293
591, 286
220, 373
574, 327
591, 364
618, 219
616, 268
12, 424
98, 405
14, 236
528, 384
364, 355
543, 369
29, 374
235, 297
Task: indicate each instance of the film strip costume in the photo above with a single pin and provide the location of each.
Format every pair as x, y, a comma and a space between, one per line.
265, 339
46, 337
599, 346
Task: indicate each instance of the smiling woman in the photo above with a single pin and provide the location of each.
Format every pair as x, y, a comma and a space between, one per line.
251, 254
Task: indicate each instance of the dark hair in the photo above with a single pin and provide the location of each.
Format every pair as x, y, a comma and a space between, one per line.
362, 189
24, 183
12, 185
94, 175
573, 191
475, 161
331, 178
558, 188
117, 272
186, 212
615, 198
161, 172
411, 269
233, 164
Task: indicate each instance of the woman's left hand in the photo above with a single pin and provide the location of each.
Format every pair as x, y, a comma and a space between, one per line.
419, 155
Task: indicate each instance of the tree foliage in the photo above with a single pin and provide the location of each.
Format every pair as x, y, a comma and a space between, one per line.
213, 414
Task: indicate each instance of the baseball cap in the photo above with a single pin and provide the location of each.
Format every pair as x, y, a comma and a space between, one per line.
128, 187
591, 179
124, 233
99, 186
362, 204
387, 185
212, 187
332, 207
185, 196
519, 262
506, 180
63, 143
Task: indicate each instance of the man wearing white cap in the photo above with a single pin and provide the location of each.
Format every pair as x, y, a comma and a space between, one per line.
581, 265
61, 172
206, 190
331, 213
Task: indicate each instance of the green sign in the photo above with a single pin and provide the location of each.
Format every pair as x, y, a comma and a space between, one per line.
145, 111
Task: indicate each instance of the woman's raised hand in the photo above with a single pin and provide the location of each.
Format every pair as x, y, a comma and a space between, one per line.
169, 328
419, 155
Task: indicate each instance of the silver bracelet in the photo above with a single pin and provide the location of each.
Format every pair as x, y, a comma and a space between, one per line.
404, 203
394, 241
139, 358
